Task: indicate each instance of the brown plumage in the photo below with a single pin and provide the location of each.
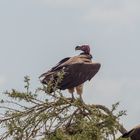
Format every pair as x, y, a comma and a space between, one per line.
134, 133
76, 70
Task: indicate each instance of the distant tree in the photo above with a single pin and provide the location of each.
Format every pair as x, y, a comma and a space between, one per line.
41, 115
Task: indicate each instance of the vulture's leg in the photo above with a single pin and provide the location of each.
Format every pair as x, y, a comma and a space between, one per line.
79, 90
80, 96
71, 90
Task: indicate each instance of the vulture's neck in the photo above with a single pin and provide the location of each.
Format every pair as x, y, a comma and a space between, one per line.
87, 54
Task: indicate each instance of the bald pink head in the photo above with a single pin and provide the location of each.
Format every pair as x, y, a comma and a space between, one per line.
84, 48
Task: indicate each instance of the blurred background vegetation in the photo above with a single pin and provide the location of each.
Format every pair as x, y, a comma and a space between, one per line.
31, 115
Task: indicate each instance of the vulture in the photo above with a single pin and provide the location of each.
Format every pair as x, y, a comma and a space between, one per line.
71, 72
134, 133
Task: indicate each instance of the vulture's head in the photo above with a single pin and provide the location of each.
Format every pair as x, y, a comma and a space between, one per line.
84, 48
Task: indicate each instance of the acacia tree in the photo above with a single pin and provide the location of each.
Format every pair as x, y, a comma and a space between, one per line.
33, 115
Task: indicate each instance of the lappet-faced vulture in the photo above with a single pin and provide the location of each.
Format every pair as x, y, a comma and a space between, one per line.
134, 133
76, 71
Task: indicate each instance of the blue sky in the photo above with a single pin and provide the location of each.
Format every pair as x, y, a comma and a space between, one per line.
36, 34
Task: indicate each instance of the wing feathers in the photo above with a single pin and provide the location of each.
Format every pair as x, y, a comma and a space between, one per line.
77, 70
77, 74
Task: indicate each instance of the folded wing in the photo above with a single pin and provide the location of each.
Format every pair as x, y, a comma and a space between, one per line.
74, 74
77, 74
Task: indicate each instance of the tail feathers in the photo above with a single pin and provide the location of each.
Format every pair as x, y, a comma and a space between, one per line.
45, 77
45, 74
48, 79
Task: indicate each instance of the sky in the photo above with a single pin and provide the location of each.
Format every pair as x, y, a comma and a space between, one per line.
36, 34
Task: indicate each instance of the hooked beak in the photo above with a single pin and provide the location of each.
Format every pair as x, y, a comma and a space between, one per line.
78, 48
